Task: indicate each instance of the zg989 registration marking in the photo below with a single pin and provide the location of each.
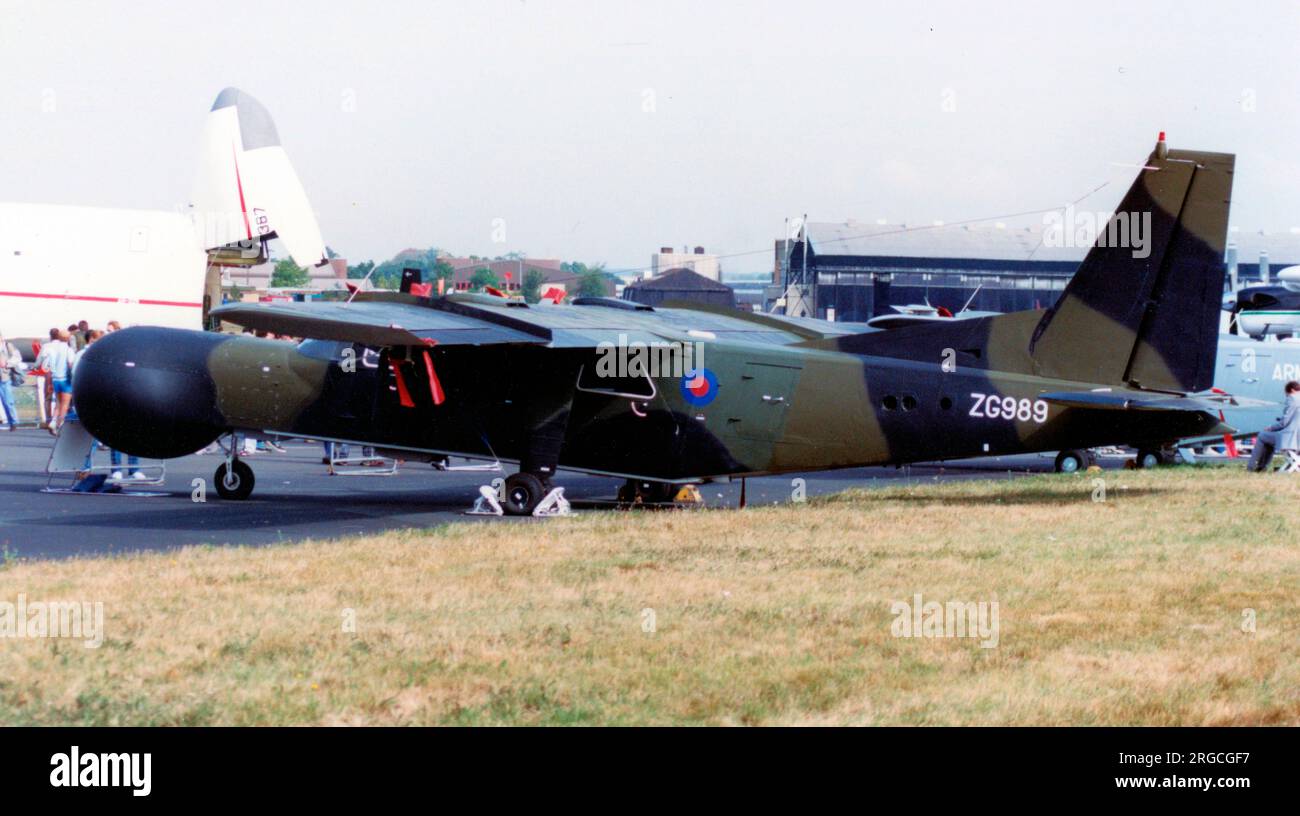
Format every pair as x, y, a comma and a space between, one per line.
994, 407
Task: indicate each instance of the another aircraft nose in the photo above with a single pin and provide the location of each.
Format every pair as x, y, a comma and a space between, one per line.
148, 391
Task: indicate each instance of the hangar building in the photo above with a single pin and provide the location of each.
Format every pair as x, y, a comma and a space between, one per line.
858, 270
680, 284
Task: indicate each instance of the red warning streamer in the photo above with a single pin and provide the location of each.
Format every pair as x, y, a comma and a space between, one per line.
1229, 443
403, 395
435, 386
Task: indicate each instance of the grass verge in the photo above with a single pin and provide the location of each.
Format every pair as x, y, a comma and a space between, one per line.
1131, 610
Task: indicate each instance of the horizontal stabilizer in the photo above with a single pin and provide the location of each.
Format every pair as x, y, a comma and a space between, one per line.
1127, 400
1208, 406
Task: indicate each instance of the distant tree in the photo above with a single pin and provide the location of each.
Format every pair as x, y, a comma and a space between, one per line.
483, 276
532, 285
359, 271
443, 270
579, 268
388, 275
288, 275
591, 284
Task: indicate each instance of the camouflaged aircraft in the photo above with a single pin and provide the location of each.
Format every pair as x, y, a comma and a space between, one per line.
425, 377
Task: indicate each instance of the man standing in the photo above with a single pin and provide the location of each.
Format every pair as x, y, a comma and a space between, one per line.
56, 358
1285, 435
11, 362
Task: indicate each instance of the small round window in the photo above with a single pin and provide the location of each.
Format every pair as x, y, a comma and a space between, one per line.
946, 403
890, 402
909, 402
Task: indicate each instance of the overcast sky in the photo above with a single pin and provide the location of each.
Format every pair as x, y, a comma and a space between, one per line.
601, 130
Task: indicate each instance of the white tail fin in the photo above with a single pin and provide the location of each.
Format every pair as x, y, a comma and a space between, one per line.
247, 191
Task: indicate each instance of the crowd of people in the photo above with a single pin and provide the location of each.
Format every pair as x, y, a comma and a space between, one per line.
56, 360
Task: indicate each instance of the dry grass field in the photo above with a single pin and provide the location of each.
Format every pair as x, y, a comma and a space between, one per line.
1127, 611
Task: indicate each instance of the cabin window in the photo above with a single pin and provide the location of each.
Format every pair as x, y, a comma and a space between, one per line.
638, 388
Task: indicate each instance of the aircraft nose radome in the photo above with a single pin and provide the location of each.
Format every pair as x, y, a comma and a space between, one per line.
148, 392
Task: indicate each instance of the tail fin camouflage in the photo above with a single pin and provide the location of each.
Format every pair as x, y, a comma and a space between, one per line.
1139, 317
1148, 318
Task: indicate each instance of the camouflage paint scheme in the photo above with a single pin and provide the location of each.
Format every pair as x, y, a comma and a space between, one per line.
1109, 363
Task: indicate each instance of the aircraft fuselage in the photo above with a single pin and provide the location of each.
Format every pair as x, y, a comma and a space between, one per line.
769, 409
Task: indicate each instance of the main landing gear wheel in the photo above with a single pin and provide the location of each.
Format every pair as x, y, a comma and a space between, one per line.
523, 492
1070, 461
234, 483
1149, 458
636, 491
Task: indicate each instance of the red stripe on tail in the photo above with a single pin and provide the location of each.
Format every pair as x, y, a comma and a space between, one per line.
239, 182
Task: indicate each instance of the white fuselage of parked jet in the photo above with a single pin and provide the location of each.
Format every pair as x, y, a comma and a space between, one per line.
62, 264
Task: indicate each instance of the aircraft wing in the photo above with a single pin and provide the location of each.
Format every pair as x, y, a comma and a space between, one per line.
372, 323
797, 329
393, 319
898, 321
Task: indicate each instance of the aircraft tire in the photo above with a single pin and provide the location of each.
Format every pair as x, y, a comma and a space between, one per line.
657, 492
1148, 458
235, 484
1071, 461
523, 492
646, 492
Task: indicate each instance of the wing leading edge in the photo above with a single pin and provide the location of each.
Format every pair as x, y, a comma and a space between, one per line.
392, 319
374, 323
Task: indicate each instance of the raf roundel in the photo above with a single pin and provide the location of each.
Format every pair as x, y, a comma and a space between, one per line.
700, 387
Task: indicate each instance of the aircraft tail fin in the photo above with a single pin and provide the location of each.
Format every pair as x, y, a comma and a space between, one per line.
1143, 308
247, 191
1142, 311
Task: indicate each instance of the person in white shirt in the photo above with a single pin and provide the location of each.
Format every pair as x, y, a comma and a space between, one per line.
55, 357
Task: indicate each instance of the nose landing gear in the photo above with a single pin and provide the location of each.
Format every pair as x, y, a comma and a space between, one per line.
234, 479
